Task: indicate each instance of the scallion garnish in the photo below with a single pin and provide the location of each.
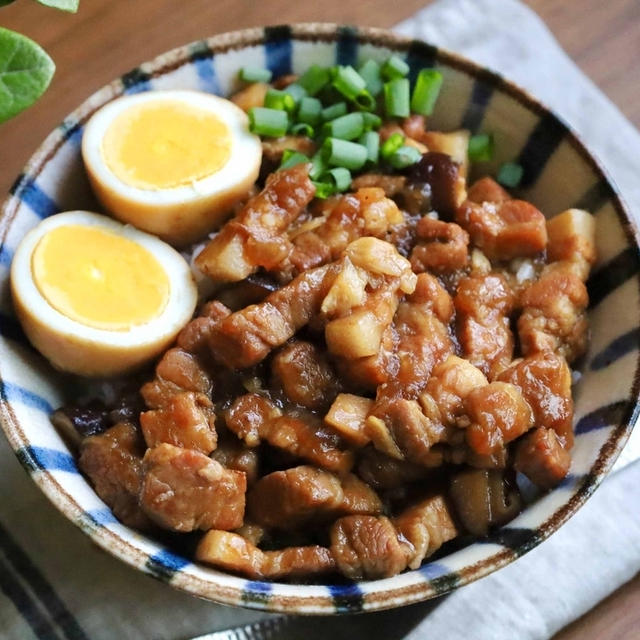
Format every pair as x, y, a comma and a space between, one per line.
370, 72
255, 74
295, 91
396, 98
309, 110
276, 99
481, 147
347, 127
394, 67
302, 129
340, 177
426, 91
314, 79
324, 189
349, 82
334, 111
318, 166
342, 153
510, 174
290, 158
371, 141
371, 121
268, 122
391, 145
404, 157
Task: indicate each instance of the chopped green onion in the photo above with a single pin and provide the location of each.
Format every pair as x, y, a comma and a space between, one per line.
309, 110
426, 91
481, 147
290, 158
295, 91
324, 189
276, 99
314, 79
391, 145
510, 174
371, 121
396, 97
371, 141
302, 128
318, 166
341, 153
394, 67
255, 74
347, 127
365, 101
340, 177
349, 82
370, 72
334, 111
404, 157
268, 122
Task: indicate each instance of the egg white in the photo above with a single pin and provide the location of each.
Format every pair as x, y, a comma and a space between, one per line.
185, 213
75, 347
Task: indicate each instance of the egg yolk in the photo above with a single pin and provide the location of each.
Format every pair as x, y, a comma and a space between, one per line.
165, 144
98, 278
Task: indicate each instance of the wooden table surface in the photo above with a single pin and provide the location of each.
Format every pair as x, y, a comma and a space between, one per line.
106, 38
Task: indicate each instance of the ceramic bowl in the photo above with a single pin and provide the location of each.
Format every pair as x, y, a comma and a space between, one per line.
558, 173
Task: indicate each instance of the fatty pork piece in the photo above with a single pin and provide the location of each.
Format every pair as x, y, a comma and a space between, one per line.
426, 525
306, 495
483, 305
545, 382
113, 463
504, 230
368, 547
305, 376
347, 416
246, 337
184, 490
423, 341
406, 429
367, 212
176, 372
487, 190
498, 415
442, 246
232, 552
572, 238
254, 418
360, 307
185, 420
543, 458
234, 454
194, 338
483, 499
255, 237
363, 298
554, 313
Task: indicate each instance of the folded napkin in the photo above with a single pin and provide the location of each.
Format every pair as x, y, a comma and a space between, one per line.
54, 583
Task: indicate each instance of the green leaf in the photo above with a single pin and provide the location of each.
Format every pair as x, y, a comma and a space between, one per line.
5, 2
64, 5
25, 73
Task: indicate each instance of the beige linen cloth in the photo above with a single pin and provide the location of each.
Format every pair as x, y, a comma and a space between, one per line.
71, 589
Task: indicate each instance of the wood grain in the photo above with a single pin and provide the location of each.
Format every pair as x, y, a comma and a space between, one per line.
108, 37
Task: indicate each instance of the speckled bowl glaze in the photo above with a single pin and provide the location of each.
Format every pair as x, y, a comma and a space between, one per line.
558, 173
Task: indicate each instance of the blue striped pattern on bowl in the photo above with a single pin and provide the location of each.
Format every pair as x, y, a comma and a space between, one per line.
558, 173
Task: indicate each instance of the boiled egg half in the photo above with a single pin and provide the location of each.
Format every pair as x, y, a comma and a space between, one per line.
172, 163
96, 297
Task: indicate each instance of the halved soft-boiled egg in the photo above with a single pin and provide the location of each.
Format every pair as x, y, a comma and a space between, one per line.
97, 297
171, 162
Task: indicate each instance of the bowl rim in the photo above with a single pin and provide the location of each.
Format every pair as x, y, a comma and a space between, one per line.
305, 601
